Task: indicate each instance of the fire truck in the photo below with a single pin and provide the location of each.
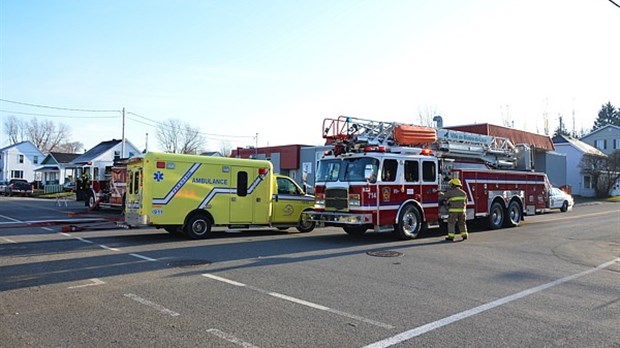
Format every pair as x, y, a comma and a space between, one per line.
386, 177
108, 191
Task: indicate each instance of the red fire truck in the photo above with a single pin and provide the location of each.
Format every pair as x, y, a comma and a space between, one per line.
109, 191
385, 176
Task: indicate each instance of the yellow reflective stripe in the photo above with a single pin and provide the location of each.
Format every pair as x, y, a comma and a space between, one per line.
456, 210
458, 198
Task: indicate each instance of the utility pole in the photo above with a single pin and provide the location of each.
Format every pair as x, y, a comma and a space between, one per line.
146, 145
123, 137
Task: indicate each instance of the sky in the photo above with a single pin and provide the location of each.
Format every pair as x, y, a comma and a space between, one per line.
266, 73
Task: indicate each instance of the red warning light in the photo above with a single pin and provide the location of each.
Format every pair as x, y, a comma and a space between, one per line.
161, 165
263, 171
426, 152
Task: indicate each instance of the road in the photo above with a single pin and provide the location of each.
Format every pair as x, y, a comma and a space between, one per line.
552, 282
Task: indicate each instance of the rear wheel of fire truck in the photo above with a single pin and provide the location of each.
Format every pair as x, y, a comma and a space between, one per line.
514, 214
354, 230
197, 226
409, 223
92, 202
496, 216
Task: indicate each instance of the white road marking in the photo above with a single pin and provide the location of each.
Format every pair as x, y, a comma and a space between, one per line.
152, 305
108, 248
8, 218
94, 281
301, 302
8, 240
47, 229
84, 240
230, 338
143, 257
407, 335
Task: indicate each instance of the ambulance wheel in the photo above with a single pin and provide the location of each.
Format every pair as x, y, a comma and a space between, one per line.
354, 230
514, 214
409, 223
197, 226
496, 216
305, 226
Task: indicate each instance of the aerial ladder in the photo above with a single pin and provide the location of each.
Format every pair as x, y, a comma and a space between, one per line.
350, 134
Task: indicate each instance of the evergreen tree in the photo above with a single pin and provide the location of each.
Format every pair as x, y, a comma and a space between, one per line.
608, 115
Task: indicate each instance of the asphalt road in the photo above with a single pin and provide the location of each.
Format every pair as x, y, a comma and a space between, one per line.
552, 282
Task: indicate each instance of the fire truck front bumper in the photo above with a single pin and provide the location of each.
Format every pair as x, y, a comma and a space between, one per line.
338, 219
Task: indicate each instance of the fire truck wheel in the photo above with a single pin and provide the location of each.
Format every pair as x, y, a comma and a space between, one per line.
197, 226
409, 223
514, 214
354, 230
92, 202
496, 216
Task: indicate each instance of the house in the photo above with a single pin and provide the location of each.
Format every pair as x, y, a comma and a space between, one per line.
18, 161
606, 138
55, 168
574, 150
94, 161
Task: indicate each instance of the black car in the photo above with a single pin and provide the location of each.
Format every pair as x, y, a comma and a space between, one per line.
19, 186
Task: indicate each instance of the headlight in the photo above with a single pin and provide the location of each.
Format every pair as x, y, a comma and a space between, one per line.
354, 200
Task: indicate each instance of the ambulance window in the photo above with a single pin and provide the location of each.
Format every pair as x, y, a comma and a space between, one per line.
136, 183
412, 171
130, 189
286, 187
428, 171
242, 184
388, 172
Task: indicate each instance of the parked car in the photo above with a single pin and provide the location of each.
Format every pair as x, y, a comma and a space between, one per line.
69, 186
559, 199
19, 186
4, 185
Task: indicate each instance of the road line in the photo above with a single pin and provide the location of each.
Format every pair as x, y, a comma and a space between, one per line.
8, 240
407, 335
108, 248
143, 257
152, 305
94, 281
230, 338
8, 218
84, 240
47, 229
301, 302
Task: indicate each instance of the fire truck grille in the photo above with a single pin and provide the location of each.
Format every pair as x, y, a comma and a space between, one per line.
336, 199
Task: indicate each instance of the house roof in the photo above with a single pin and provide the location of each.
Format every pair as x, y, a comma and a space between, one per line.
17, 144
62, 157
601, 129
578, 144
538, 141
96, 151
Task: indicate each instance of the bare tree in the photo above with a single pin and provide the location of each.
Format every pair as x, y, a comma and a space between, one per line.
225, 148
70, 147
175, 136
425, 117
604, 171
45, 135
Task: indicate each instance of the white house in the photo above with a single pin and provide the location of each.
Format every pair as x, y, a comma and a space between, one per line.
55, 168
18, 161
574, 150
606, 139
94, 161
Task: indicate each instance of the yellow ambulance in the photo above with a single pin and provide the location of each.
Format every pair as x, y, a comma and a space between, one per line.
191, 193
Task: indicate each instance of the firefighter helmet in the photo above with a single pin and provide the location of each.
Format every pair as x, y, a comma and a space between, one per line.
455, 182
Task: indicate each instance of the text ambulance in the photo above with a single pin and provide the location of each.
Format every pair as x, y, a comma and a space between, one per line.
190, 194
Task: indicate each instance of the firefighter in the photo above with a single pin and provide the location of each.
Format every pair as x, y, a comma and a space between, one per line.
457, 204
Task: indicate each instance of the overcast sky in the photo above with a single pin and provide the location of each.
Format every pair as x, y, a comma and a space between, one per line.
279, 67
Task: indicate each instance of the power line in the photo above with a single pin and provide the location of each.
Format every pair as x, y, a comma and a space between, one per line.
57, 107
614, 3
57, 116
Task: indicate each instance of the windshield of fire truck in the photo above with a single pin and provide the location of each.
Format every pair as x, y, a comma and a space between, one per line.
354, 169
328, 170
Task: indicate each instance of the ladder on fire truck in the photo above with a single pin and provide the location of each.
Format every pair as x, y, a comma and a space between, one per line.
351, 133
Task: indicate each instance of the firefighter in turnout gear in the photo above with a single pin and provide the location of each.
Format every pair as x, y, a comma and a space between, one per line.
457, 204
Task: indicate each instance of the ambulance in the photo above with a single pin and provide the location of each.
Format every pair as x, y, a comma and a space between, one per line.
190, 194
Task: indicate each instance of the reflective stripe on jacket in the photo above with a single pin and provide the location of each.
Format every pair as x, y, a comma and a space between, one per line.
457, 199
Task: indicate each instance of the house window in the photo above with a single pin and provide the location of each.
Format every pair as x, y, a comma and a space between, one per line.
17, 174
117, 155
587, 182
36, 160
605, 144
20, 159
